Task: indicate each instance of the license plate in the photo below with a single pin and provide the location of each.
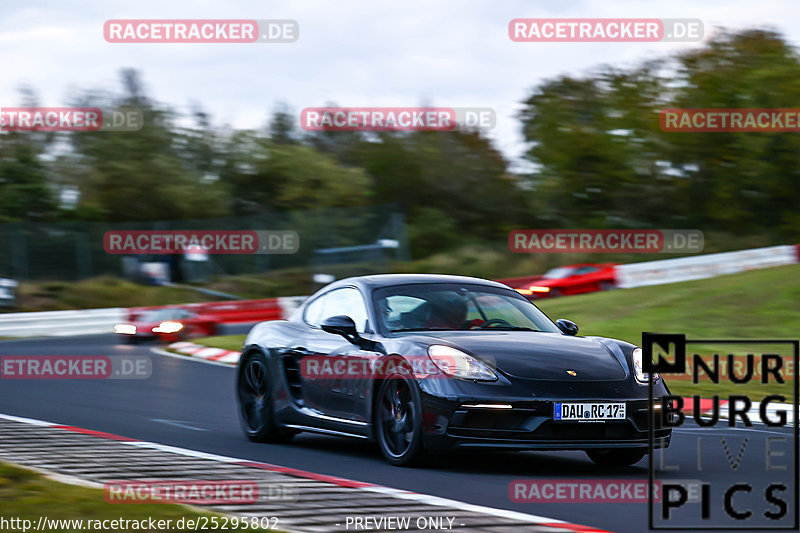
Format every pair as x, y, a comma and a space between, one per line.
589, 411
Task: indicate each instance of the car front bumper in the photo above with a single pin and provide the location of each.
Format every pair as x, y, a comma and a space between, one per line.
453, 422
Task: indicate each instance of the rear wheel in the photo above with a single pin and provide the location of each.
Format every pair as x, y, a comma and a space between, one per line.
617, 457
254, 395
398, 421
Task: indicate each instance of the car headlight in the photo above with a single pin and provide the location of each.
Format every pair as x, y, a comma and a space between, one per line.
125, 329
638, 367
457, 364
168, 327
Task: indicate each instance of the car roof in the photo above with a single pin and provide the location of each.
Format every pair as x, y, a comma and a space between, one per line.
375, 281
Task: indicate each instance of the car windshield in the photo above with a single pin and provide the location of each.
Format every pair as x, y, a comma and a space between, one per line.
558, 273
455, 306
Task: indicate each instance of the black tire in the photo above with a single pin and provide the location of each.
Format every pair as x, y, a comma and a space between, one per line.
607, 286
254, 399
617, 457
398, 421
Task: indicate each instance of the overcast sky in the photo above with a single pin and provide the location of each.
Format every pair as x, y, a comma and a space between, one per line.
453, 53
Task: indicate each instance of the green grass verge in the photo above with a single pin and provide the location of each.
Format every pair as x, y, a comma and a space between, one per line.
28, 495
97, 293
755, 304
107, 291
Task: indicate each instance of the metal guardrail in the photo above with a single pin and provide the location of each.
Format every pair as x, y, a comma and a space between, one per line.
61, 323
704, 266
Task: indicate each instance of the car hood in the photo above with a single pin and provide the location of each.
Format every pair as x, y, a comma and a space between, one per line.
547, 356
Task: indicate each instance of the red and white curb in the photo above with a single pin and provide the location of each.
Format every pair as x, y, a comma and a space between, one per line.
204, 352
36, 443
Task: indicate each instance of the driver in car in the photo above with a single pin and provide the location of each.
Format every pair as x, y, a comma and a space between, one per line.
449, 311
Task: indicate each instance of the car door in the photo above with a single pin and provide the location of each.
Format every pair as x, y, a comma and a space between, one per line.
584, 279
344, 393
312, 389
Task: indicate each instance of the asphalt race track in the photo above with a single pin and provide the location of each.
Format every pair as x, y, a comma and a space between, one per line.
191, 404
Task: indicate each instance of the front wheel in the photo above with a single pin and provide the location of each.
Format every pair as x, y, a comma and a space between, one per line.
398, 420
254, 395
617, 457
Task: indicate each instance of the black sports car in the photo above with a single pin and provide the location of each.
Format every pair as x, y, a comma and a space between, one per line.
433, 362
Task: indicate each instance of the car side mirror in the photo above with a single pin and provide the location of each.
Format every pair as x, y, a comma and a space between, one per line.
567, 327
341, 325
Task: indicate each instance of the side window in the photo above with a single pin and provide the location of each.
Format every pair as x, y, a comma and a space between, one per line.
586, 270
175, 314
401, 311
313, 312
346, 301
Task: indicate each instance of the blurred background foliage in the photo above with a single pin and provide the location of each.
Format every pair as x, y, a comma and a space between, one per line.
598, 159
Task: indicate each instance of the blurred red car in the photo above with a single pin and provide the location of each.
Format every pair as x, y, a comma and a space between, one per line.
561, 281
167, 324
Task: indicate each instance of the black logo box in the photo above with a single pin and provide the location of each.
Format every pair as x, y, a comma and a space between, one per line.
678, 366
